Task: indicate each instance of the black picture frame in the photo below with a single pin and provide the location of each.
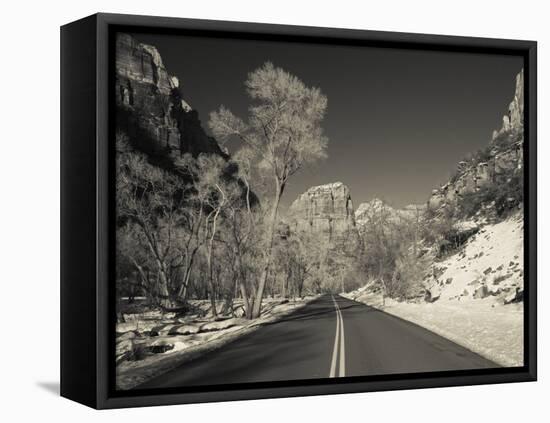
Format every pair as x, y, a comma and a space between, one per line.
87, 210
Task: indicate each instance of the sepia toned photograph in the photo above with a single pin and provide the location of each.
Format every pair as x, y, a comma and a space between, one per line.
293, 211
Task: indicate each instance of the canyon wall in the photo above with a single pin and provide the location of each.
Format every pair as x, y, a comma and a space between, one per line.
504, 154
150, 108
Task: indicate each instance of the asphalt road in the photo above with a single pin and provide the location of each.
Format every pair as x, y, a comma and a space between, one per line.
330, 337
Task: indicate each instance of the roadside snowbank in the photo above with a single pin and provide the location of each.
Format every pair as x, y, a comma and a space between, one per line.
151, 343
491, 330
476, 295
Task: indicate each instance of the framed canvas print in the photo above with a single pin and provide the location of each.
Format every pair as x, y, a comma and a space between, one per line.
254, 211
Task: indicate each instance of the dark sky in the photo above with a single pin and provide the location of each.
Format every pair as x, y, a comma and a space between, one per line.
398, 121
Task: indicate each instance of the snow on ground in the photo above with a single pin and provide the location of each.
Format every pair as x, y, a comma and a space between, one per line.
476, 294
491, 330
491, 263
151, 343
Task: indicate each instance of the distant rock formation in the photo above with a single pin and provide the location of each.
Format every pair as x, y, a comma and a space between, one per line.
377, 209
505, 153
150, 109
326, 210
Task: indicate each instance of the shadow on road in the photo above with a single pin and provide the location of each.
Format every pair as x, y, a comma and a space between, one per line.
301, 315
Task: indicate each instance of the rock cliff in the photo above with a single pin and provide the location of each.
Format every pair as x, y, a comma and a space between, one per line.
513, 121
150, 108
503, 155
326, 210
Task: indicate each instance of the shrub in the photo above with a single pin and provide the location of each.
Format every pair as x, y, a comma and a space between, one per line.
503, 197
510, 195
505, 139
453, 239
482, 155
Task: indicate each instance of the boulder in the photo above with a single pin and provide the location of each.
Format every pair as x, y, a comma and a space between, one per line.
481, 292
124, 350
495, 291
239, 311
127, 335
160, 346
184, 330
432, 294
219, 325
514, 297
162, 329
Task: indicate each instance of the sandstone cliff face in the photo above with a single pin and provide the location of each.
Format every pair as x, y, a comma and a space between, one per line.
326, 210
150, 109
505, 154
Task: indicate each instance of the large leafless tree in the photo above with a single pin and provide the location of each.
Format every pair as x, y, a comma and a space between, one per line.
284, 130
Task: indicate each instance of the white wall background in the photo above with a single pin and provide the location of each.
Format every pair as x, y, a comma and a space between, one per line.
29, 238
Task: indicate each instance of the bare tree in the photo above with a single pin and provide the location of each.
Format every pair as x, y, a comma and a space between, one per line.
284, 131
148, 199
380, 247
211, 183
243, 223
212, 190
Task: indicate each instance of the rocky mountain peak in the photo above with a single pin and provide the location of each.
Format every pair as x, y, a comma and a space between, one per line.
377, 208
321, 201
326, 210
503, 155
513, 120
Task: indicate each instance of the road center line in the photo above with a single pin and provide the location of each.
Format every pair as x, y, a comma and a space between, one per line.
342, 345
335, 349
339, 343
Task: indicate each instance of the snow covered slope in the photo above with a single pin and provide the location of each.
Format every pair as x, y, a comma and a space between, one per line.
490, 264
476, 294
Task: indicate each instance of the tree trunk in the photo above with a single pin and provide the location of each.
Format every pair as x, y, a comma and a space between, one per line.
211, 283
163, 294
182, 293
210, 267
384, 291
241, 286
145, 285
271, 234
213, 301
246, 301
286, 284
162, 282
